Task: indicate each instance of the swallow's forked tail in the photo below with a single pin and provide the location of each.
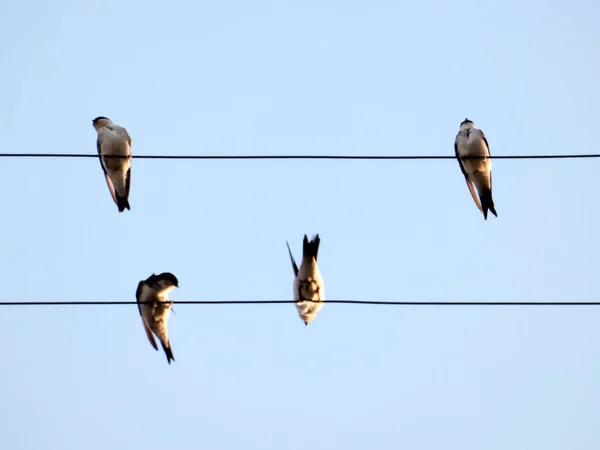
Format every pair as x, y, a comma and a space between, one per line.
168, 351
122, 202
311, 248
487, 202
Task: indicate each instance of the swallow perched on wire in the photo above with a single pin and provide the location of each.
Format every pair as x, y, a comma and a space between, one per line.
470, 141
309, 293
150, 295
114, 140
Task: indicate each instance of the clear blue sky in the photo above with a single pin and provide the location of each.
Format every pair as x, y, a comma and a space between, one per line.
311, 77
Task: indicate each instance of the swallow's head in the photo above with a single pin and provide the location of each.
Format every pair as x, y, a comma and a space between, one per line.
466, 124
166, 281
100, 122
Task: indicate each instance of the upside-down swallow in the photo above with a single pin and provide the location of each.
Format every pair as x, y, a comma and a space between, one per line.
114, 140
149, 295
309, 292
470, 141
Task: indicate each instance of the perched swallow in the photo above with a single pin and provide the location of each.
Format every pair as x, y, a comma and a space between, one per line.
470, 141
114, 140
149, 295
308, 284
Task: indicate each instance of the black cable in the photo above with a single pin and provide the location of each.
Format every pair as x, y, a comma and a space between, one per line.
270, 302
348, 157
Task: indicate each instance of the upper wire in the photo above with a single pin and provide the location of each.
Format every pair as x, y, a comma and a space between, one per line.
271, 302
347, 157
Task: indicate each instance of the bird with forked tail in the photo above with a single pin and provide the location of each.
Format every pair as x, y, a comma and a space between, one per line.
472, 152
114, 151
154, 306
309, 292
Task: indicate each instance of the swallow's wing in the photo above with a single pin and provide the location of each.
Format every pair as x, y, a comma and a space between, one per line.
469, 184
474, 195
294, 266
128, 181
489, 154
149, 334
486, 142
127, 137
111, 187
99, 147
138, 294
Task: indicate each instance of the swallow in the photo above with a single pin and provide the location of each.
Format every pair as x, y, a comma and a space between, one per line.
309, 293
149, 295
470, 141
114, 140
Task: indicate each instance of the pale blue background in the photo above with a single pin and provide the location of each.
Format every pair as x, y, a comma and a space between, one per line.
310, 77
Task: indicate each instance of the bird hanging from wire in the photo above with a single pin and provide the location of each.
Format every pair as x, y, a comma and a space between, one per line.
154, 306
308, 283
114, 140
470, 141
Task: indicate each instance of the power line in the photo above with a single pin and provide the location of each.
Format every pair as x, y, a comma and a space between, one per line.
347, 157
271, 302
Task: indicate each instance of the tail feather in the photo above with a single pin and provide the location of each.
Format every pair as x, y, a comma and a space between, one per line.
168, 351
122, 203
294, 265
311, 248
487, 203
